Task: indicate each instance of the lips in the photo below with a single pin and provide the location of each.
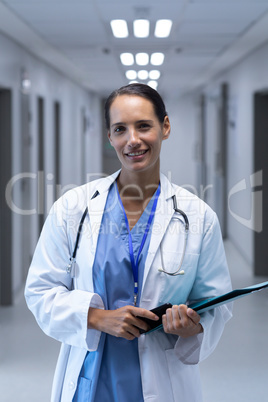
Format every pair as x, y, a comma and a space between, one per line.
137, 153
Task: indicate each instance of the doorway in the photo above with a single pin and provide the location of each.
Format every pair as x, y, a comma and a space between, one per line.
261, 165
26, 184
221, 160
215, 154
5, 211
57, 155
41, 196
201, 147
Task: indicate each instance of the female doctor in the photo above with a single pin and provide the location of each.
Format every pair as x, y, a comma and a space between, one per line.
136, 250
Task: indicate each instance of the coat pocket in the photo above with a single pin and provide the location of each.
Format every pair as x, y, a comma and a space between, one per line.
82, 393
185, 379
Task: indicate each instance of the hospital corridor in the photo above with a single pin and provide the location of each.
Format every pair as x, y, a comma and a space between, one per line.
235, 372
59, 61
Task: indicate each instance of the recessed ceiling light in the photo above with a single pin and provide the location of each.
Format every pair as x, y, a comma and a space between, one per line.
142, 59
143, 75
119, 28
131, 74
141, 28
154, 74
162, 28
127, 59
157, 59
152, 84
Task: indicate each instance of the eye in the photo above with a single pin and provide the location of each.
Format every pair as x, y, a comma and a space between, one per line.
119, 129
144, 126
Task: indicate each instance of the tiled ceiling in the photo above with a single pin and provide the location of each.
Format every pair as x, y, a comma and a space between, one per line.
203, 33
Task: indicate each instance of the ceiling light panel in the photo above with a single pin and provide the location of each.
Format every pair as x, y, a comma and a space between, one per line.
127, 59
119, 28
131, 74
142, 59
141, 28
163, 28
143, 75
157, 59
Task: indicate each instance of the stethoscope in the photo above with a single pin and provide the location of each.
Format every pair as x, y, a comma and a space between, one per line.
72, 261
179, 271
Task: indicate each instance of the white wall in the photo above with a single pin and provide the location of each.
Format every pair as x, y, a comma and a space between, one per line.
248, 76
52, 86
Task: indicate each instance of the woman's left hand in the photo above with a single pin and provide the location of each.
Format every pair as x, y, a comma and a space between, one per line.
182, 321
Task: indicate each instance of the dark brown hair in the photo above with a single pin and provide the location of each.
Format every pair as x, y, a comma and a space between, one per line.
145, 91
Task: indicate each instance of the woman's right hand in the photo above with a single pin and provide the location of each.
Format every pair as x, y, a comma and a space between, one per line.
122, 322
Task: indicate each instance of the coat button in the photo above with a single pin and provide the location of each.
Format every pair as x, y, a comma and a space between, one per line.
71, 385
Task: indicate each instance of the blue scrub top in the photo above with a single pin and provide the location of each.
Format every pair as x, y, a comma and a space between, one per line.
112, 373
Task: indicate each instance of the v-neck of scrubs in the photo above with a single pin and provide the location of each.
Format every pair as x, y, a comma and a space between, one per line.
135, 229
113, 281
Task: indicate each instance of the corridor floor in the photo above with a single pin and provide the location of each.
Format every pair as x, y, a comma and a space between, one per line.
236, 372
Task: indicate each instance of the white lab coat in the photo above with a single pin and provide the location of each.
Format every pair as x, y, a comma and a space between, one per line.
169, 364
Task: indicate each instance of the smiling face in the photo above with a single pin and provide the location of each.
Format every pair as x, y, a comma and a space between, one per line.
136, 133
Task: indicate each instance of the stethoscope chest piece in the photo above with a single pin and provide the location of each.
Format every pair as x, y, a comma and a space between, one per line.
180, 272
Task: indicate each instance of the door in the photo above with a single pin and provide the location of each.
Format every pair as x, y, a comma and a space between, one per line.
201, 149
260, 184
215, 154
41, 163
57, 155
25, 184
5, 211
220, 185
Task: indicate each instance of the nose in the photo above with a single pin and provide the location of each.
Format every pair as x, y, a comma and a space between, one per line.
133, 139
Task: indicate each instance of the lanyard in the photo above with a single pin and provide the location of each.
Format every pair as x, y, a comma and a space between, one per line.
135, 264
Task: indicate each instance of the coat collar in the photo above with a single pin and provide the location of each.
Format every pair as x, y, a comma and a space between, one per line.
103, 185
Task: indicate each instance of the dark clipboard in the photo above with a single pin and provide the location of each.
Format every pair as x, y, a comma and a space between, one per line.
208, 304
